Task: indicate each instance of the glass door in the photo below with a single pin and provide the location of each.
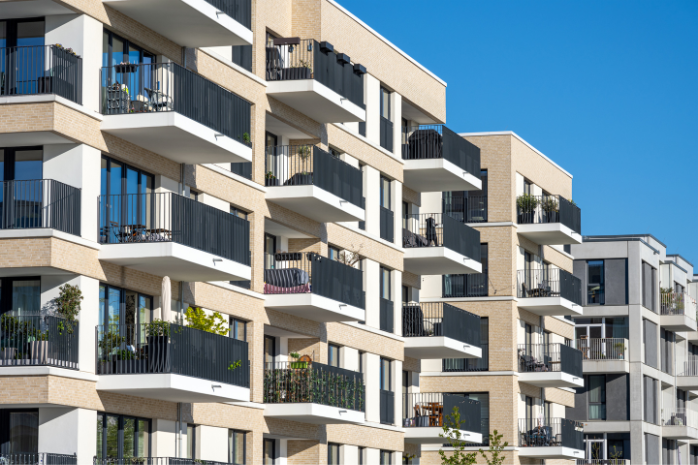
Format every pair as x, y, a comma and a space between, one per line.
595, 449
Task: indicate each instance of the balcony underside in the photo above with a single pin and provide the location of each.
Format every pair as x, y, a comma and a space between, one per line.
176, 137
173, 388
179, 262
33, 9
313, 413
314, 307
439, 260
438, 175
315, 203
549, 234
431, 347
689, 383
551, 379
430, 435
558, 452
606, 366
549, 306
316, 100
190, 23
683, 432
677, 323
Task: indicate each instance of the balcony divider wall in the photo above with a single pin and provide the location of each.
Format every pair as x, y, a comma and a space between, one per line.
387, 224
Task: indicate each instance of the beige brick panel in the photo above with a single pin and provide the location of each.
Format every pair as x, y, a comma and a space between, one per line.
559, 396
556, 326
304, 452
366, 341
412, 364
365, 436
413, 197
412, 280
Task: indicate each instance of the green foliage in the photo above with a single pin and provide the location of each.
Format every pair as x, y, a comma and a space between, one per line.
549, 204
215, 323
527, 203
270, 175
157, 328
246, 137
495, 450
295, 355
68, 305
110, 341
234, 365
124, 354
304, 151
451, 427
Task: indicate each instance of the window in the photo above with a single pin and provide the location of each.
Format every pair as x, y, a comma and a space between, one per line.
361, 361
528, 186
650, 398
21, 296
332, 454
385, 283
123, 307
333, 253
385, 103
19, 431
238, 329
386, 457
385, 375
405, 215
405, 295
22, 32
597, 397
599, 328
116, 50
119, 436
362, 451
118, 178
269, 451
191, 441
333, 355
269, 244
235, 211
269, 349
649, 286
484, 399
595, 282
385, 192
21, 163
236, 447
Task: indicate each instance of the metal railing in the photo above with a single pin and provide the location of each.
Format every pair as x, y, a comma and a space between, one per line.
169, 217
292, 59
386, 134
387, 224
40, 203
468, 364
157, 87
690, 368
386, 315
472, 209
431, 409
153, 461
308, 272
440, 319
678, 303
305, 165
38, 458
603, 348
387, 407
242, 169
679, 417
550, 357
554, 282
603, 462
440, 230
38, 340
40, 69
315, 383
437, 141
465, 285
554, 432
171, 348
541, 209
239, 10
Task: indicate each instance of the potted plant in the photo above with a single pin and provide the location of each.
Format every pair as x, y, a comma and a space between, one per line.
526, 205
270, 179
38, 345
110, 341
551, 209
9, 326
157, 336
246, 138
296, 364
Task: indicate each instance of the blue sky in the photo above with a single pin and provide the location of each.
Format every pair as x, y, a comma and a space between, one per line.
607, 89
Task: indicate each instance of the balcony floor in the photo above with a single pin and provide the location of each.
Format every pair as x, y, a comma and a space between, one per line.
606, 366
313, 413
679, 432
558, 452
439, 260
430, 435
316, 101
549, 234
551, 379
315, 203
179, 262
549, 306
190, 23
689, 383
314, 307
431, 347
438, 175
677, 323
173, 388
176, 137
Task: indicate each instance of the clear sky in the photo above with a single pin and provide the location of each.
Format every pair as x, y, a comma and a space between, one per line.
607, 89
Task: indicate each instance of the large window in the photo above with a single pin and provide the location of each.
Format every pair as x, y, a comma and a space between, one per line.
191, 441
238, 329
385, 103
22, 296
123, 307
236, 447
597, 397
333, 355
21, 32
385, 283
385, 192
649, 286
650, 398
21, 164
601, 328
332, 454
19, 431
595, 282
386, 457
119, 436
385, 383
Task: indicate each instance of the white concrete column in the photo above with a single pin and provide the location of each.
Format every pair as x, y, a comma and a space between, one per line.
349, 454
372, 192
372, 382
68, 431
396, 200
372, 287
373, 108
396, 109
397, 389
349, 358
431, 286
213, 443
282, 453
372, 456
164, 438
396, 284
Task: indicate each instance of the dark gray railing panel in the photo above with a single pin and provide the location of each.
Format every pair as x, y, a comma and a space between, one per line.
571, 361
387, 407
460, 152
437, 141
554, 282
337, 177
440, 319
550, 357
387, 224
469, 410
386, 315
239, 10
40, 458
467, 364
386, 134
542, 209
461, 238
38, 340
553, 432
440, 230
465, 285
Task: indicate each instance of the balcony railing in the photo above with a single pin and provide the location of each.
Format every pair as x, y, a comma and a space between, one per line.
603, 349
308, 272
38, 458
40, 203
678, 303
169, 217
386, 134
40, 69
306, 165
171, 348
239, 10
465, 285
554, 432
292, 59
387, 224
437, 141
313, 382
690, 368
429, 409
542, 209
549, 283
154, 461
603, 462
387, 407
679, 417
386, 315
440, 319
468, 364
439, 230
471, 209
130, 88
38, 340
550, 358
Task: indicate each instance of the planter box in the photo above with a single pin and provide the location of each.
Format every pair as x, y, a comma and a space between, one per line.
158, 354
271, 182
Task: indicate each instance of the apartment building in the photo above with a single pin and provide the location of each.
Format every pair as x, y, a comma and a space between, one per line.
257, 159
637, 338
525, 296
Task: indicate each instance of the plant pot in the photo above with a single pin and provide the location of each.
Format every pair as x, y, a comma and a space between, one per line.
107, 367
8, 355
271, 182
158, 354
299, 365
39, 352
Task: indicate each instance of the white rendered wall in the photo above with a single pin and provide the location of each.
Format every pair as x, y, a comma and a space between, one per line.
519, 184
349, 358
68, 431
396, 285
349, 455
372, 286
397, 389
372, 383
213, 443
431, 287
372, 456
396, 200
372, 97
214, 202
396, 118
165, 184
164, 438
372, 189
431, 202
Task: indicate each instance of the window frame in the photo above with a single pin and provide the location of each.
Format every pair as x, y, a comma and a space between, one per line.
231, 446
601, 285
9, 161
120, 439
330, 447
330, 349
601, 403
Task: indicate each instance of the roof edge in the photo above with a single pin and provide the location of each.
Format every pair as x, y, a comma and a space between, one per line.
620, 236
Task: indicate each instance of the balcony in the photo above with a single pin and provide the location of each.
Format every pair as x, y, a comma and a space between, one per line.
38, 340
549, 219
175, 113
311, 286
470, 209
437, 244
465, 285
312, 78
171, 362
678, 312
37, 458
439, 330
679, 423
423, 418
549, 292
437, 160
39, 204
550, 365
313, 392
607, 355
687, 379
193, 23
314, 183
170, 235
555, 438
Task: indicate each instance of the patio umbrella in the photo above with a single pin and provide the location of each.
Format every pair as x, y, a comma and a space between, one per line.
166, 299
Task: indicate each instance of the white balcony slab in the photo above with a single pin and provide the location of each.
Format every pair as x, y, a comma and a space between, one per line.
315, 203
438, 175
683, 432
431, 347
32, 9
551, 379
558, 452
687, 382
439, 260
606, 366
190, 23
430, 435
316, 100
176, 137
179, 262
314, 307
313, 413
550, 306
677, 323
172, 388
549, 234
